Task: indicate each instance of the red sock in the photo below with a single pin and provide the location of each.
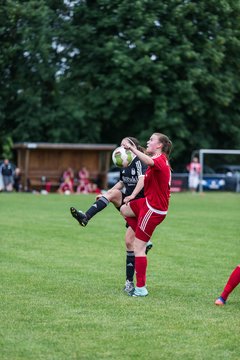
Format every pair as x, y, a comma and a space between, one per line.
141, 270
233, 281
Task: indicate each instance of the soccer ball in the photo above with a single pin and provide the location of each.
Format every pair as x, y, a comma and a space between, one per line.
122, 157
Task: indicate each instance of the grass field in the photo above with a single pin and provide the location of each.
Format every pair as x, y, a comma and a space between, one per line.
61, 285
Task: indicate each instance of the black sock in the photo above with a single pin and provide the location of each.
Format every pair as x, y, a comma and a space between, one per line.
130, 265
99, 205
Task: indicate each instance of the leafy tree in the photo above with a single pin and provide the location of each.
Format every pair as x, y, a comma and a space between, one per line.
96, 71
7, 148
30, 61
169, 66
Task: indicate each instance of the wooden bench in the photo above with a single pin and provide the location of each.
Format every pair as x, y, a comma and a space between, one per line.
50, 180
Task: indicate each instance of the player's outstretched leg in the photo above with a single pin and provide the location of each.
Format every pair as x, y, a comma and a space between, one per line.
233, 281
79, 216
97, 206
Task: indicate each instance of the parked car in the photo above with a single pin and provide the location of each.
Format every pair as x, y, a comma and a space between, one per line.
211, 180
223, 177
232, 176
113, 176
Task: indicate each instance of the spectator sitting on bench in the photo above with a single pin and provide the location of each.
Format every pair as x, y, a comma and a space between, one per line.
83, 181
69, 173
66, 187
89, 188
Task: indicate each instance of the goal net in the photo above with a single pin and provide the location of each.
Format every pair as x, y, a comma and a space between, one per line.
202, 154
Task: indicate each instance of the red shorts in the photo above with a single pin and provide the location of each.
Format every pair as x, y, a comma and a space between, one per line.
145, 221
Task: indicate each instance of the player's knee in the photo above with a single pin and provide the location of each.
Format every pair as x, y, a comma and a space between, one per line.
129, 240
129, 243
112, 195
123, 210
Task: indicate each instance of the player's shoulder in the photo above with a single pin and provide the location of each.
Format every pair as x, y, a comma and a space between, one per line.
139, 164
134, 161
161, 160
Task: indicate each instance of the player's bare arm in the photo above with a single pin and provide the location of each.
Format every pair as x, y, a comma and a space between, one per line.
143, 157
136, 191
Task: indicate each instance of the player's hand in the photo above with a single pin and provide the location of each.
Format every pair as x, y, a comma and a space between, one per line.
98, 196
128, 199
125, 144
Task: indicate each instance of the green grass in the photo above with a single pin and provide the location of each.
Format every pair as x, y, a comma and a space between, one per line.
61, 285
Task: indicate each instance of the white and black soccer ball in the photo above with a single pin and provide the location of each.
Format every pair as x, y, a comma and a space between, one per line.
122, 157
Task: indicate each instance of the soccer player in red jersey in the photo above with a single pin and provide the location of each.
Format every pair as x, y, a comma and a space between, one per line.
233, 281
145, 214
131, 180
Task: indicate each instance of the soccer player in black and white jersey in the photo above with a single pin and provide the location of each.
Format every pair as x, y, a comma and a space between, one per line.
130, 182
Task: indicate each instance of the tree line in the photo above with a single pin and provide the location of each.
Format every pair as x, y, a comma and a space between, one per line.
96, 71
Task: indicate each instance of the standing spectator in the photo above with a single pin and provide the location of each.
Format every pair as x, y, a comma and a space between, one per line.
17, 180
194, 169
7, 175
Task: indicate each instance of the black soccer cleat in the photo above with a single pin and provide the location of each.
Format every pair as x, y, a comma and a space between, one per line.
79, 216
149, 245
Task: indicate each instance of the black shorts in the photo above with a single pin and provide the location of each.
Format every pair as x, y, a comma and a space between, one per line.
122, 203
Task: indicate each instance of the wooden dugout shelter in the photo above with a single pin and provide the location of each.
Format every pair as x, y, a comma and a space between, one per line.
46, 162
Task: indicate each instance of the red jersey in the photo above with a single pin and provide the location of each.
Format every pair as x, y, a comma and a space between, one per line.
157, 183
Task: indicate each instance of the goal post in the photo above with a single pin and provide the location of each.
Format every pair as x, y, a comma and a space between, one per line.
203, 152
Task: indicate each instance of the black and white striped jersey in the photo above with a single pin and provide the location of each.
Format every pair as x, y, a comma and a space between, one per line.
130, 175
